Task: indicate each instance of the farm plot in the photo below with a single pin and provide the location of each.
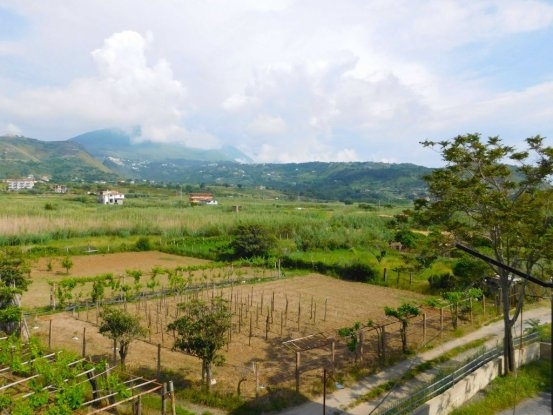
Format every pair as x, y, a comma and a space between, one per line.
272, 321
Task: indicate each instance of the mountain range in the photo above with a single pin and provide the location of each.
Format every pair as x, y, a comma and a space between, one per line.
113, 154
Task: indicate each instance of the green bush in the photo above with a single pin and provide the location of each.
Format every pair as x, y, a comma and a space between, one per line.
356, 271
143, 244
445, 281
407, 238
252, 240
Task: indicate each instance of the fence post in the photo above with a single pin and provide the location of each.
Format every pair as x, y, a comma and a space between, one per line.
137, 406
384, 335
424, 328
441, 321
84, 341
164, 399
172, 395
298, 361
158, 360
361, 340
250, 334
484, 304
256, 369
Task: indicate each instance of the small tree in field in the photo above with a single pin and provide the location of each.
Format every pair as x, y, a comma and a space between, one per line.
403, 313
201, 332
67, 263
456, 298
351, 334
122, 327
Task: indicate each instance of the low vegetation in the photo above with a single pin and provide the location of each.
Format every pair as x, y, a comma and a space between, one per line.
399, 246
509, 391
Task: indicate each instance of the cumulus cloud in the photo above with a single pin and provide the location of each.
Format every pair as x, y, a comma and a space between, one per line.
267, 125
12, 130
306, 149
284, 80
127, 91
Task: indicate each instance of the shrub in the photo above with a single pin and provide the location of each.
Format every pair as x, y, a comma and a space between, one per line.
445, 281
143, 244
251, 240
357, 271
406, 237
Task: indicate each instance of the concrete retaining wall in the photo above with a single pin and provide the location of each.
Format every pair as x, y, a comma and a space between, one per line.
465, 389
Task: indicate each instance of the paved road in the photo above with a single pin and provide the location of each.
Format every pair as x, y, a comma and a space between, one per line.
341, 399
538, 406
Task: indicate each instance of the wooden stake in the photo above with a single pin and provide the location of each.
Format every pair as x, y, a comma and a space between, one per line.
173, 400
250, 335
84, 341
298, 361
50, 335
158, 360
164, 400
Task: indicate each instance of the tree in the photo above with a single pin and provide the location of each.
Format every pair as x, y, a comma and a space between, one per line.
403, 313
456, 298
498, 207
67, 263
202, 332
252, 240
14, 279
351, 334
122, 327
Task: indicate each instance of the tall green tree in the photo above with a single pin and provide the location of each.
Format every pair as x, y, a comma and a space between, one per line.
252, 240
202, 332
122, 327
497, 199
14, 280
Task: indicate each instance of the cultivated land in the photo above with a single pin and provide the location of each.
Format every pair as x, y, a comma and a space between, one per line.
312, 296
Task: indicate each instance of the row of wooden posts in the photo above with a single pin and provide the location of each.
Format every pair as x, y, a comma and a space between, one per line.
242, 310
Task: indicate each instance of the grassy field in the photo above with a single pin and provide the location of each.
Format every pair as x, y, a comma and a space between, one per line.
50, 225
312, 238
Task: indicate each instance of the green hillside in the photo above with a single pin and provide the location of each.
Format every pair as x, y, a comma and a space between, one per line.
79, 160
61, 160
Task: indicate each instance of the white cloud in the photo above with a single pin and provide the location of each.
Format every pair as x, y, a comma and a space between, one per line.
267, 125
12, 130
126, 92
238, 102
302, 151
284, 80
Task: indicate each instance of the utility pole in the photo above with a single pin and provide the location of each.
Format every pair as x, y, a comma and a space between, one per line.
527, 277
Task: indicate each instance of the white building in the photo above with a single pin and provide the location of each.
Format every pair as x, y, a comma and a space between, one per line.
111, 197
20, 184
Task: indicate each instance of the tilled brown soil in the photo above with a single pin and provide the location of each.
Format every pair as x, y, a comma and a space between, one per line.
267, 316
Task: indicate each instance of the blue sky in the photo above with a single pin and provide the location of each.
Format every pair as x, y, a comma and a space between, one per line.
282, 80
